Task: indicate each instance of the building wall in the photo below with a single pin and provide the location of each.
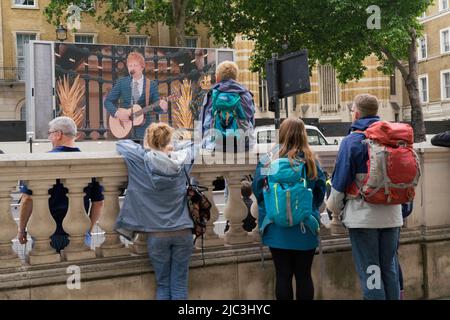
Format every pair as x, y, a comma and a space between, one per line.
435, 62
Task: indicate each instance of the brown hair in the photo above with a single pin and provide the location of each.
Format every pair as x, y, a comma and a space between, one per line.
293, 139
137, 57
366, 104
158, 135
227, 70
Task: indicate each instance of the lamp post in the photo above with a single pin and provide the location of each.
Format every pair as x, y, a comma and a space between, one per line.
61, 33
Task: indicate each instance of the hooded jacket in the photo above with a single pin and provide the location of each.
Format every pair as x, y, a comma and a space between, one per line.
350, 169
156, 194
247, 104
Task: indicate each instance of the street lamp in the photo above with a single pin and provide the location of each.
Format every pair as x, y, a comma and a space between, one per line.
61, 33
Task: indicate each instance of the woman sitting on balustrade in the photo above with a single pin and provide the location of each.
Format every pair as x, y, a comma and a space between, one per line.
156, 203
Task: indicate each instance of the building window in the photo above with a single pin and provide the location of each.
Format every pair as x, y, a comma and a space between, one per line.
422, 48
84, 38
21, 40
136, 4
25, 3
445, 84
191, 42
23, 113
328, 89
392, 84
445, 41
443, 5
138, 41
423, 88
263, 95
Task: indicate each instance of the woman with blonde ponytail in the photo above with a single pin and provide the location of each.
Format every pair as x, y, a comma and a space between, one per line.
156, 204
292, 247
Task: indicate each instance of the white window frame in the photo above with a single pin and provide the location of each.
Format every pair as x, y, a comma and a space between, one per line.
147, 38
94, 37
441, 8
24, 6
16, 54
441, 38
427, 98
197, 38
419, 51
131, 9
443, 98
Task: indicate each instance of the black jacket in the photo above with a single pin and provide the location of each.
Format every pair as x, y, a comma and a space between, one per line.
441, 139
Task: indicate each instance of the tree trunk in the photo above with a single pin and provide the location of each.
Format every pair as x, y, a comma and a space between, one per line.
411, 82
179, 17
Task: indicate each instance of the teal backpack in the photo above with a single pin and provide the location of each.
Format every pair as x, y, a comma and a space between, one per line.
226, 111
287, 198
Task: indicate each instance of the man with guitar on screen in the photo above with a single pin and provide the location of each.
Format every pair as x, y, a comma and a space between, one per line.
131, 99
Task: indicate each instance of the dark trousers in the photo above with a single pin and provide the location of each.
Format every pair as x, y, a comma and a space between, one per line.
289, 263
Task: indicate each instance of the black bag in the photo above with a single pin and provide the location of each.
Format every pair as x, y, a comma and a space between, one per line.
199, 207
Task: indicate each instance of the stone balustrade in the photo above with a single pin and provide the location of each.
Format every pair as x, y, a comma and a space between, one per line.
425, 240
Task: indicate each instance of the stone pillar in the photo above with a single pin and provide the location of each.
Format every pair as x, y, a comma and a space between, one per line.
41, 224
77, 222
235, 211
254, 211
8, 229
210, 238
112, 246
337, 228
139, 246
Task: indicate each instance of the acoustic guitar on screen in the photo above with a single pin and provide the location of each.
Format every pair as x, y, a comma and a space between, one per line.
126, 119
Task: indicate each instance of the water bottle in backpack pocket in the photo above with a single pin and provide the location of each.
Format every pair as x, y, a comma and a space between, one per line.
287, 198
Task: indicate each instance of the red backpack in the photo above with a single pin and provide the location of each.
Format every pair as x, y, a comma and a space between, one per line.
393, 168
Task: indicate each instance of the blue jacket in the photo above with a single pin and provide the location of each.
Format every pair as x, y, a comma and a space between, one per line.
292, 238
156, 195
120, 97
352, 157
349, 173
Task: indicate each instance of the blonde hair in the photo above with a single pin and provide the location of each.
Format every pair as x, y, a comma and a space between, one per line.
158, 135
366, 104
227, 70
137, 57
293, 139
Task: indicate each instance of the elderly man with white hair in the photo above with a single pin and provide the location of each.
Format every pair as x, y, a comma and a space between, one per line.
62, 134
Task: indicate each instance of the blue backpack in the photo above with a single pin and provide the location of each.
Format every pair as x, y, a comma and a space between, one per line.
287, 198
226, 111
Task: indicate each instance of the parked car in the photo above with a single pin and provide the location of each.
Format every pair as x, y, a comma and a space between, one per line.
266, 135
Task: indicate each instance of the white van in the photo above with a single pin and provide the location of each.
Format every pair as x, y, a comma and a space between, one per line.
265, 135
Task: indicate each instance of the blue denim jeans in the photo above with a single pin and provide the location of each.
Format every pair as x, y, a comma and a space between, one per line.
170, 256
375, 256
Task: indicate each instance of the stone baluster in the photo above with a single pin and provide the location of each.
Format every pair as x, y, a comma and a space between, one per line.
139, 245
235, 211
112, 246
254, 211
210, 238
337, 228
8, 230
77, 222
41, 224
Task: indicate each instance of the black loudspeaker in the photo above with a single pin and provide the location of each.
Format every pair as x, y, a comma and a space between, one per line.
292, 75
13, 130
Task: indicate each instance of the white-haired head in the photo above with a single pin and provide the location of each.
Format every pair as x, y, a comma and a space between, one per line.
64, 124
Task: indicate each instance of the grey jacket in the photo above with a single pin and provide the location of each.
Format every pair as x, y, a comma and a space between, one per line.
156, 195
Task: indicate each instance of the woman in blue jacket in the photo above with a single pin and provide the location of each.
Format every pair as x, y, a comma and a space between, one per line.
292, 248
156, 203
